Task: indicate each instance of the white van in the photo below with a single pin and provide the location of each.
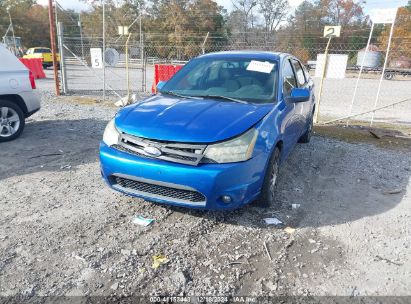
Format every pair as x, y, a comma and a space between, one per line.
18, 97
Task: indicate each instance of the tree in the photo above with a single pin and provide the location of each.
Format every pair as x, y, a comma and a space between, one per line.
401, 39
342, 12
307, 17
30, 21
38, 19
236, 21
246, 9
305, 27
274, 12
117, 13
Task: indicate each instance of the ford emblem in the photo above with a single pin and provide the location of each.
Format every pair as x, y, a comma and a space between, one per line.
153, 151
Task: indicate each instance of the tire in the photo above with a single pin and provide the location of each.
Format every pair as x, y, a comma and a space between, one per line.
388, 76
267, 196
11, 121
306, 137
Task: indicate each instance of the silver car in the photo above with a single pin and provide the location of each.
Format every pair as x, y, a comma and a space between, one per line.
18, 96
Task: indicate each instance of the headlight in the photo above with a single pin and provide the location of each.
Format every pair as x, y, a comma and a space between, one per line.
111, 135
233, 150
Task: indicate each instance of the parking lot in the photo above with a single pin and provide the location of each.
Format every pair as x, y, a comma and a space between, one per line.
64, 232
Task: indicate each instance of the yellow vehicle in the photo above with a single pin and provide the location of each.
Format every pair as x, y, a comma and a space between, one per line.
43, 53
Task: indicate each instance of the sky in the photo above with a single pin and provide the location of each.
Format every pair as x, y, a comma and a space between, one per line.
370, 5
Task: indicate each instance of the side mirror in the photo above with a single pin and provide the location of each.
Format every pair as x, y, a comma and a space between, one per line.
299, 95
160, 85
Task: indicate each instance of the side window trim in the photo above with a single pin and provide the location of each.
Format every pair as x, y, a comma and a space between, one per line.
306, 74
304, 71
295, 60
288, 59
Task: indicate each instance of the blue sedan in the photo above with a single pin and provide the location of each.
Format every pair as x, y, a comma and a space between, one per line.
215, 135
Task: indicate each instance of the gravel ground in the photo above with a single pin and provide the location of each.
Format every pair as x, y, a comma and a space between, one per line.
64, 232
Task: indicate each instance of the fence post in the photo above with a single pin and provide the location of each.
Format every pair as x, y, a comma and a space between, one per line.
104, 50
204, 42
127, 70
141, 62
361, 70
140, 15
145, 73
383, 70
60, 40
320, 93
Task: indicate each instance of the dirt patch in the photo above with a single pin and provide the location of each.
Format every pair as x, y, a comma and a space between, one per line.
361, 134
87, 100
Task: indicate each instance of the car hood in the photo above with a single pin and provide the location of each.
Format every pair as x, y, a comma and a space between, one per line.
191, 120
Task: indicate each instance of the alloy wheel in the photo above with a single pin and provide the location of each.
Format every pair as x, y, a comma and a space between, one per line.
273, 181
9, 122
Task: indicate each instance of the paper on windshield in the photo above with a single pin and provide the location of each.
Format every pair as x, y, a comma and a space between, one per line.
260, 66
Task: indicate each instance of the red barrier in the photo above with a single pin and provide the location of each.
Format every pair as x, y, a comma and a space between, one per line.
39, 68
163, 72
35, 65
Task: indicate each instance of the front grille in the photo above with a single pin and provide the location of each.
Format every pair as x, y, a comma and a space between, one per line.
124, 149
189, 154
158, 191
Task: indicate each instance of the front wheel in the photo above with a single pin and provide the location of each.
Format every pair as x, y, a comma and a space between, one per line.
11, 121
267, 196
306, 137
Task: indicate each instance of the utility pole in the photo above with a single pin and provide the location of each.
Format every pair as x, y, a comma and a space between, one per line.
56, 17
53, 47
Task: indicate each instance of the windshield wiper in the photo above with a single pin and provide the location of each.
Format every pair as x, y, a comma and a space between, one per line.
223, 97
173, 94
178, 95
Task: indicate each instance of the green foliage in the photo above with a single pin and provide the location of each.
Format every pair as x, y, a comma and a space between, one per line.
177, 28
30, 21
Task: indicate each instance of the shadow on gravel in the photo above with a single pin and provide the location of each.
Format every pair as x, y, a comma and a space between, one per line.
334, 182
51, 145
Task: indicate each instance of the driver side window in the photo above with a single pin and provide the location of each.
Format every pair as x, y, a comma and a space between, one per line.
289, 81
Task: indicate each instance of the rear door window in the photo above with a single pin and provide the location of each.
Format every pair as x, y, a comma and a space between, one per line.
42, 51
299, 73
289, 78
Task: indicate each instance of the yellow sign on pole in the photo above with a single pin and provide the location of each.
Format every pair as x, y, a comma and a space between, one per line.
332, 31
329, 32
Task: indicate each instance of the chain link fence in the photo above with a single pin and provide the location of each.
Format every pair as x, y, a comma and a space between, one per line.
114, 80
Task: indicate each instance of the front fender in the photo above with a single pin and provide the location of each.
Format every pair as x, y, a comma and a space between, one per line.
270, 133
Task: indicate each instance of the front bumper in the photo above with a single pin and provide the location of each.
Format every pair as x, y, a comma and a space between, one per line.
241, 181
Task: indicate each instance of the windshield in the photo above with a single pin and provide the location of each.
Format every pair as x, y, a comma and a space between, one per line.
241, 79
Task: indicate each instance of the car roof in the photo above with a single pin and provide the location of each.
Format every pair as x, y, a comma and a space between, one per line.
261, 55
